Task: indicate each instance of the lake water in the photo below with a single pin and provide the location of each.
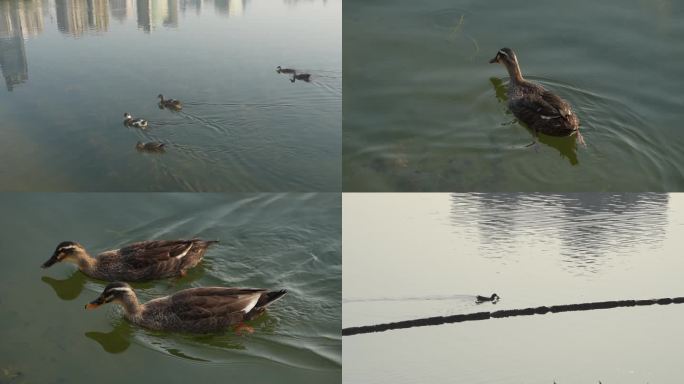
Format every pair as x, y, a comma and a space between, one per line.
287, 241
435, 252
71, 69
425, 111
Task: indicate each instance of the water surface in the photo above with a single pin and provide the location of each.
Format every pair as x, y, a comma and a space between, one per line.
271, 241
71, 68
425, 111
435, 252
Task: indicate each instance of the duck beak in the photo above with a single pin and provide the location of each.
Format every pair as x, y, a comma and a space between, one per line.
494, 60
51, 261
95, 303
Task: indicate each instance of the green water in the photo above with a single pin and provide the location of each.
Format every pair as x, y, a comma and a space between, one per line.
421, 111
287, 241
71, 69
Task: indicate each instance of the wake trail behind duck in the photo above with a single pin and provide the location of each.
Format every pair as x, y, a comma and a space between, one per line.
410, 298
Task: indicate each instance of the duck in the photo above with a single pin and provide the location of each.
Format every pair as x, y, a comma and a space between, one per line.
174, 104
481, 299
193, 310
279, 69
301, 76
131, 122
150, 146
141, 261
535, 106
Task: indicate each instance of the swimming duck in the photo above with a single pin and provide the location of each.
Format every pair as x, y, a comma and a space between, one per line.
194, 310
481, 299
279, 69
131, 122
150, 146
542, 111
169, 103
145, 260
301, 76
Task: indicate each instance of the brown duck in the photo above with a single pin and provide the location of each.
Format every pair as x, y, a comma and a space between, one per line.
194, 310
174, 104
539, 109
143, 261
150, 146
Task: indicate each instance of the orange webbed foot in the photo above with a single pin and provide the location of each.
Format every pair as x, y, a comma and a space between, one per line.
243, 327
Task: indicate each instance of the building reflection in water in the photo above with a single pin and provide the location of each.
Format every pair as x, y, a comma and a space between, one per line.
588, 229
76, 17
121, 9
153, 13
19, 19
230, 7
186, 5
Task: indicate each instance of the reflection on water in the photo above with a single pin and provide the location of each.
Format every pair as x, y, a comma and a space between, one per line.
115, 341
587, 225
18, 20
69, 288
269, 240
76, 17
230, 7
243, 129
21, 19
560, 251
566, 146
421, 113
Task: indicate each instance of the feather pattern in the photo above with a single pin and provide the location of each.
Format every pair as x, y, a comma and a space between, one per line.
196, 310
147, 260
535, 106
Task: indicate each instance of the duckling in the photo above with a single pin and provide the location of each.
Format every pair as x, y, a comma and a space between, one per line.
174, 104
481, 299
142, 261
194, 310
541, 110
151, 146
131, 122
301, 76
279, 69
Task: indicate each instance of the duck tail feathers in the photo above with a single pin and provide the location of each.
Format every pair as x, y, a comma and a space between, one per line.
269, 297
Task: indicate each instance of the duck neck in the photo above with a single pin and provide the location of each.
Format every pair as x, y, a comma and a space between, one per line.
514, 72
85, 262
131, 305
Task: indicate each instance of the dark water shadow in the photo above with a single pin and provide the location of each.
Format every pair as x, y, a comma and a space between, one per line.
566, 146
115, 341
69, 288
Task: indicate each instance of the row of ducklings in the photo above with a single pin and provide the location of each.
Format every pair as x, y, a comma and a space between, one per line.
194, 310
295, 75
152, 146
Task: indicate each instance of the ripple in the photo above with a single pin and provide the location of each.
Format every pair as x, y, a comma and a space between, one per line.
591, 229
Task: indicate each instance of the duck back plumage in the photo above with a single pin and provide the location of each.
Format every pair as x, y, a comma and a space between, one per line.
149, 260
205, 309
541, 110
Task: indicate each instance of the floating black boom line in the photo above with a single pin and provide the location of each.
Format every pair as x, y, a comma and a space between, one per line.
437, 320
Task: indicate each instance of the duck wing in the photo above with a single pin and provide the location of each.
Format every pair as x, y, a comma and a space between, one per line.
561, 106
215, 302
147, 253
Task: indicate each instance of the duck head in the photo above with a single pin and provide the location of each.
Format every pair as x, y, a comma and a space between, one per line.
495, 297
278, 69
161, 97
507, 57
127, 116
66, 251
114, 292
